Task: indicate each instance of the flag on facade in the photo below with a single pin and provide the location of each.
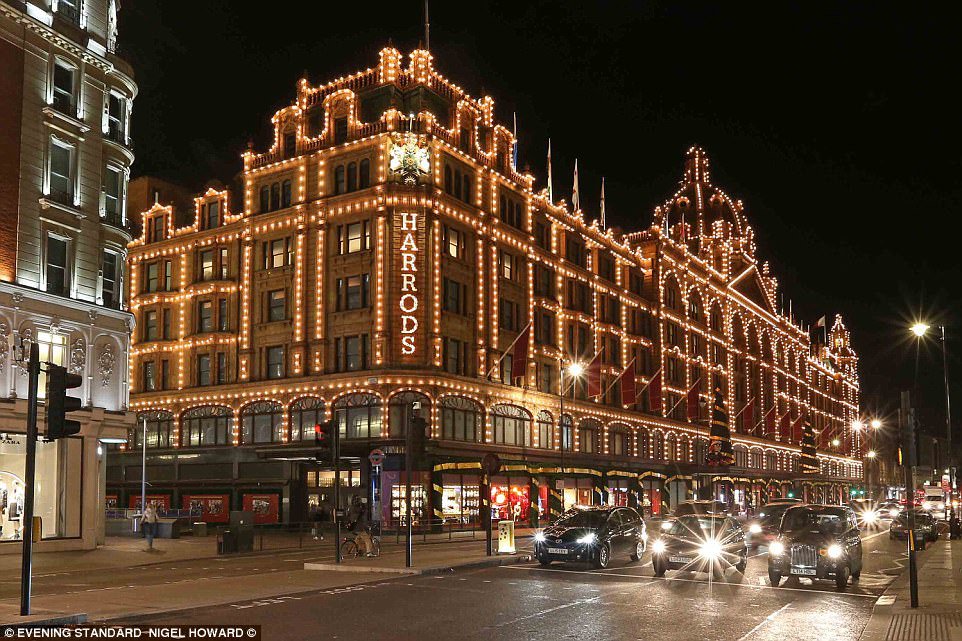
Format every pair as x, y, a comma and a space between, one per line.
748, 415
519, 355
797, 428
692, 401
808, 463
654, 393
628, 395
514, 147
602, 202
720, 450
575, 192
770, 421
785, 426
593, 372
550, 187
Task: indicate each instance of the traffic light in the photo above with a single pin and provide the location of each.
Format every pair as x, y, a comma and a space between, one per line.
419, 428
325, 438
58, 403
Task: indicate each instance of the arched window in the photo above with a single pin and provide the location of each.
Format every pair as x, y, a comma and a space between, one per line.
358, 416
567, 432
671, 451
466, 192
511, 425
684, 449
401, 411
261, 422
159, 427
694, 306
352, 176
364, 174
265, 198
589, 436
716, 318
618, 441
756, 460
207, 425
286, 193
460, 419
304, 415
741, 456
545, 430
340, 185
275, 196
771, 462
457, 183
644, 443
658, 446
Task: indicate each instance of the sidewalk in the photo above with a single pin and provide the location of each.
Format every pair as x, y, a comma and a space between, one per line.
939, 615
425, 559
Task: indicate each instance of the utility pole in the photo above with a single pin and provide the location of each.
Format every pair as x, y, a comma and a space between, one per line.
949, 506
408, 465
336, 455
143, 474
907, 456
30, 474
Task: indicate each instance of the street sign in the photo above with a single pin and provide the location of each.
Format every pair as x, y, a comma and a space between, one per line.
376, 457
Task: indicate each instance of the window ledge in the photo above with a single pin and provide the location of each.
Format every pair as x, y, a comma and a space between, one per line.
77, 124
49, 203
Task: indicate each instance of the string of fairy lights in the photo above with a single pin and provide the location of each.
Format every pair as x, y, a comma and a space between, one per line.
771, 350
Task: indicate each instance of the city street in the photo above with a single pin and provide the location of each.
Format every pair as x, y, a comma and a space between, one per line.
623, 602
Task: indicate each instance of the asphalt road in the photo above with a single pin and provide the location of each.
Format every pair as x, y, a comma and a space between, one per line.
624, 601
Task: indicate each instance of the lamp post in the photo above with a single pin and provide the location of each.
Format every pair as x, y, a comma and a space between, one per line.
920, 330
575, 370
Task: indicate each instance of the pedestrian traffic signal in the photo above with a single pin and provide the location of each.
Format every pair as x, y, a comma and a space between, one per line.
325, 439
58, 403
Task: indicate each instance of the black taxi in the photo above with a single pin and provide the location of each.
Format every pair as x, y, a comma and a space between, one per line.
817, 542
592, 534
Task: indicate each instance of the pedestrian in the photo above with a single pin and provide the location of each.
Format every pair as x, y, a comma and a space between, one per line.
316, 518
955, 527
149, 524
358, 526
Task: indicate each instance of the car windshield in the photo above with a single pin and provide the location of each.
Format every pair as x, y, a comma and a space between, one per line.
585, 518
807, 519
772, 514
697, 525
698, 508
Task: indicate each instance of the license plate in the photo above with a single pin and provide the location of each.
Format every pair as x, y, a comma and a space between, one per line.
557, 551
680, 559
805, 571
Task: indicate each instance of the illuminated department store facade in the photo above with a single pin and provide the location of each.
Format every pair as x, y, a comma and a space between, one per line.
388, 251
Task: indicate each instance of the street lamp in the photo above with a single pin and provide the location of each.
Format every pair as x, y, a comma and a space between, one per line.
919, 329
575, 370
870, 454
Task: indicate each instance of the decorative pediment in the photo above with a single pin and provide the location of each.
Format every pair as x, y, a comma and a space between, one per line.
750, 285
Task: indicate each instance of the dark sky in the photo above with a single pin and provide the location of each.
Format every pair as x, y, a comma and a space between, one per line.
834, 122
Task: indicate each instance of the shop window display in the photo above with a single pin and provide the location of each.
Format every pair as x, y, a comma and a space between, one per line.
459, 500
510, 499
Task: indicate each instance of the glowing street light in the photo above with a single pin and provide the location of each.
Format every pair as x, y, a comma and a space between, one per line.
876, 424
919, 329
576, 369
870, 454
857, 425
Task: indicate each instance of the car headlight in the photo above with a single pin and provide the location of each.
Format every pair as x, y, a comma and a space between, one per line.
893, 512
870, 517
588, 539
658, 547
834, 551
776, 548
539, 537
710, 549
755, 528
666, 525
926, 506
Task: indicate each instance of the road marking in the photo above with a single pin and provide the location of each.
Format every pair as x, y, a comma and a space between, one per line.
770, 617
652, 579
544, 612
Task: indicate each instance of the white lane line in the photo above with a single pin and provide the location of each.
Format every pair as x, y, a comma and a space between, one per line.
548, 611
652, 579
770, 617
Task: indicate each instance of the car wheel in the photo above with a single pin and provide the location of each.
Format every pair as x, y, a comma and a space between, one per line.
841, 579
639, 551
856, 575
659, 567
603, 558
544, 561
774, 577
742, 563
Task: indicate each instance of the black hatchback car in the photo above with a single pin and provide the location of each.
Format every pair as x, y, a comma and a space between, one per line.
700, 542
818, 542
593, 535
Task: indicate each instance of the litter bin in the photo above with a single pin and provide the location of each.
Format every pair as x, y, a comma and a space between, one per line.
242, 525
228, 543
199, 529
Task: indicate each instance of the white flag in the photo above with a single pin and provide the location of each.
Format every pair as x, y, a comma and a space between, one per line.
550, 188
602, 202
575, 192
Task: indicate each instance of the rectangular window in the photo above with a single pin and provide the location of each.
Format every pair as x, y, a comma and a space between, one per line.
150, 326
544, 281
507, 364
168, 275
454, 242
355, 291
164, 374
108, 289
453, 292
223, 318
351, 352
546, 377
544, 328
57, 274
221, 368
150, 376
150, 277
203, 369
340, 130
353, 238
542, 234
212, 217
454, 352
116, 118
277, 305
63, 88
165, 324
508, 314
278, 253
112, 193
205, 316
61, 171
275, 362
206, 265
507, 266
223, 264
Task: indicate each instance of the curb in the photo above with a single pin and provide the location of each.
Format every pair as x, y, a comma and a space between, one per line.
57, 619
438, 569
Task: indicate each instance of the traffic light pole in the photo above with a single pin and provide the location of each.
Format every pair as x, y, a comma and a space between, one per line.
336, 455
408, 464
907, 418
30, 473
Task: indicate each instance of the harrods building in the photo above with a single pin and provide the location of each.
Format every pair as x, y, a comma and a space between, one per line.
386, 251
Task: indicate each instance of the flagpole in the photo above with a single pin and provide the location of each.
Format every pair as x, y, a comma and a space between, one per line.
505, 352
650, 379
618, 378
550, 187
602, 202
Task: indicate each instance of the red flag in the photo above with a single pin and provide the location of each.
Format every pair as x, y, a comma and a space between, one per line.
519, 355
797, 428
748, 415
654, 393
785, 426
770, 421
594, 376
628, 395
692, 401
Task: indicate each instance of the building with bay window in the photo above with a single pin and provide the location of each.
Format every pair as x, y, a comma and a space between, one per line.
385, 255
65, 100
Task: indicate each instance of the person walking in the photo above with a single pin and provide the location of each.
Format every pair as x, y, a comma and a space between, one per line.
149, 523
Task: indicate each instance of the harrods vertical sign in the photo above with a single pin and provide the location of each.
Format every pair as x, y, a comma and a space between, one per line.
409, 292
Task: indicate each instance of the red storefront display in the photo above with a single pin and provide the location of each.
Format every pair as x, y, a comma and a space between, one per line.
161, 500
510, 501
266, 507
214, 508
111, 501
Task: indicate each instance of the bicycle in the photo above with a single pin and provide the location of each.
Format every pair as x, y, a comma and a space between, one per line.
351, 549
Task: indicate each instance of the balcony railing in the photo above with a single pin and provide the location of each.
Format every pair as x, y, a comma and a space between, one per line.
65, 104
119, 136
64, 197
115, 220
69, 13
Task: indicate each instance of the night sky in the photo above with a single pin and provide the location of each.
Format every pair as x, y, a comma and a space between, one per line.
833, 123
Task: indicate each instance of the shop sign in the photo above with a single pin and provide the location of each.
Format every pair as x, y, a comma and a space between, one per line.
409, 236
